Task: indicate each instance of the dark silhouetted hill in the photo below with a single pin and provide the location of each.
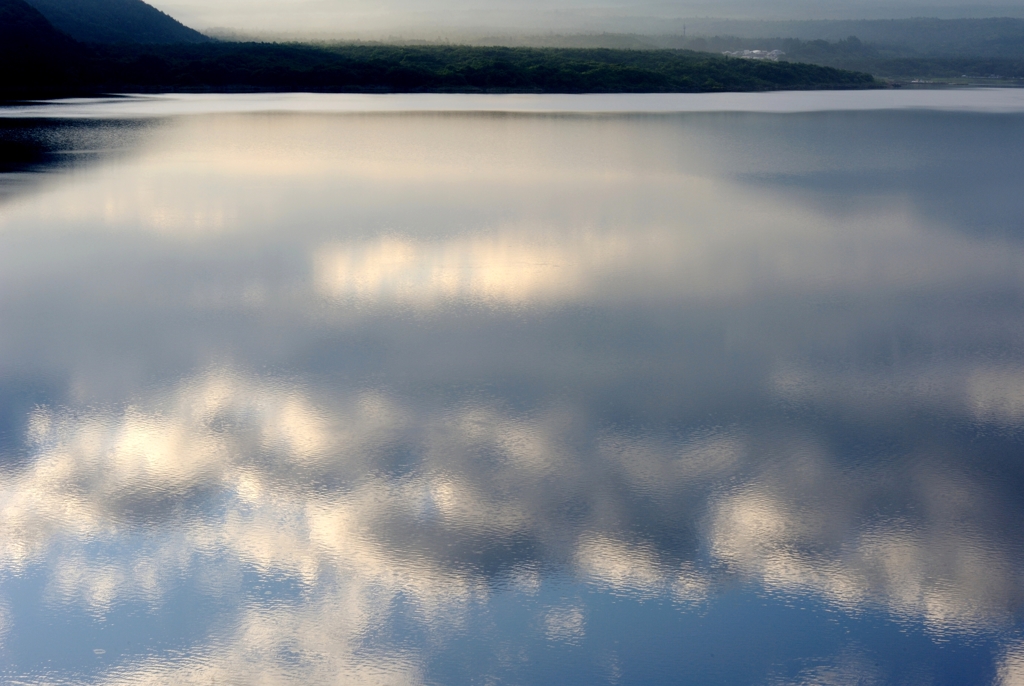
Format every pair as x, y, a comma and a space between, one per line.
38, 61
233, 67
115, 22
24, 29
35, 58
387, 68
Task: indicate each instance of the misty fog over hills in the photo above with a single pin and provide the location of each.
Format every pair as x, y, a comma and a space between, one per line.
84, 46
430, 19
924, 28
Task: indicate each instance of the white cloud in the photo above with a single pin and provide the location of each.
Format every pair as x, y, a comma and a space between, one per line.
805, 529
803, 526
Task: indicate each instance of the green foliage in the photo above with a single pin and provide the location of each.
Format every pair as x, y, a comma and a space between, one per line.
974, 68
47, 63
389, 68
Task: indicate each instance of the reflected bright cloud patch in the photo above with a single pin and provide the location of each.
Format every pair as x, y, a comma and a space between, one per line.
485, 397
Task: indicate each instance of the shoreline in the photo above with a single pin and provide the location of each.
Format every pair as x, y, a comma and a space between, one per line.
136, 105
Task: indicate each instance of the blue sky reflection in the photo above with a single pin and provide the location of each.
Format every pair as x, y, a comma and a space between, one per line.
429, 398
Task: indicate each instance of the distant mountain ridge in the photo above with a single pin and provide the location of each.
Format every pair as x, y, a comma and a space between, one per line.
115, 22
922, 37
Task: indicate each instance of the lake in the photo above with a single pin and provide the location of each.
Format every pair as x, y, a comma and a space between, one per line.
709, 389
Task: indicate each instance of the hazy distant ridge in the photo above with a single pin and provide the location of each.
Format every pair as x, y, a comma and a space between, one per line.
993, 37
923, 37
902, 49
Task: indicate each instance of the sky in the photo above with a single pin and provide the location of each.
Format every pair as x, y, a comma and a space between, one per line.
430, 18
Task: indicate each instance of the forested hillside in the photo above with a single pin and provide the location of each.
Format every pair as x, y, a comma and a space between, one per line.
383, 68
115, 21
37, 60
979, 50
34, 56
97, 69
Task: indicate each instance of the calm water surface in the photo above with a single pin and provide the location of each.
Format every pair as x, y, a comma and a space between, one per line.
305, 391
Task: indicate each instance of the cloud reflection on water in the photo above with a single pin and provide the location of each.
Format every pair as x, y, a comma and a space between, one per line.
682, 379
265, 450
